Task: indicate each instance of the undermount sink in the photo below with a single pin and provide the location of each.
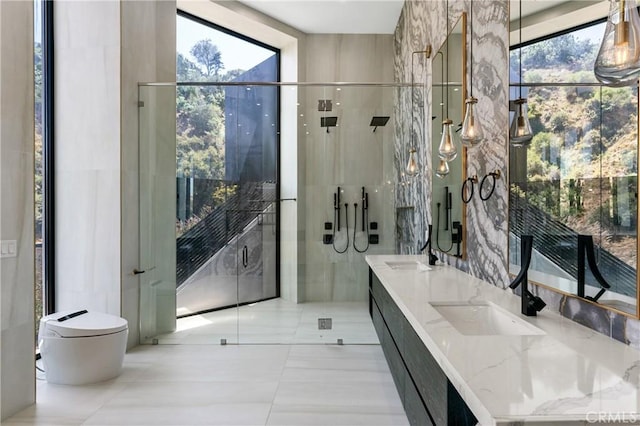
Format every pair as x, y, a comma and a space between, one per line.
407, 265
484, 319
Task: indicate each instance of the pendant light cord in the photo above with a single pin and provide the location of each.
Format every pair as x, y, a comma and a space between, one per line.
442, 87
412, 93
520, 43
448, 60
471, 48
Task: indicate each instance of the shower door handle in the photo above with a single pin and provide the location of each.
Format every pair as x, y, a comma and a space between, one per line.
245, 256
137, 271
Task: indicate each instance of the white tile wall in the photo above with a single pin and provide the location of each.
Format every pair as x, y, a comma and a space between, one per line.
16, 206
349, 156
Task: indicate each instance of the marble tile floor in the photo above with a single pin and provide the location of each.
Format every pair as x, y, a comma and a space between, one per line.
277, 321
230, 385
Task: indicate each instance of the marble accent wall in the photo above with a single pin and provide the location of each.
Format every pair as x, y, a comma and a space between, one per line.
424, 22
17, 375
349, 156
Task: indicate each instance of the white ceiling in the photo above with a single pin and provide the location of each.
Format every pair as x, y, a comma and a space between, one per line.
381, 16
333, 16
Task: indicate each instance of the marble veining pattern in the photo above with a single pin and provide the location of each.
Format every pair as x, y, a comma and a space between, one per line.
559, 376
422, 23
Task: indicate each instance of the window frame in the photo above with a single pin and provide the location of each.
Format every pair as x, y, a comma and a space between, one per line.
278, 54
48, 146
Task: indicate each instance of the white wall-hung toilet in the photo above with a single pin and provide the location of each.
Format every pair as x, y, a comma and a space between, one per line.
80, 347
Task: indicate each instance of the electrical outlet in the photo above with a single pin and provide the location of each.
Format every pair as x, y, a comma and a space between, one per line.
328, 226
374, 239
8, 248
327, 239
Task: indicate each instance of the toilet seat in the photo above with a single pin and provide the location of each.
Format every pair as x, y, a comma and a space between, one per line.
86, 347
86, 325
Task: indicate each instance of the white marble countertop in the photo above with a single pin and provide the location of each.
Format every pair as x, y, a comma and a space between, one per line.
569, 374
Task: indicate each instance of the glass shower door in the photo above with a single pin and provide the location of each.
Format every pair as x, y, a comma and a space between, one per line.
157, 188
226, 209
251, 160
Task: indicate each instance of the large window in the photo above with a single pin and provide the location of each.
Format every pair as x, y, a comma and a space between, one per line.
227, 165
43, 159
579, 173
205, 147
38, 163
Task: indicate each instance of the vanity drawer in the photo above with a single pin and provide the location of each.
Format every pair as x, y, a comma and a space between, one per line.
378, 322
414, 407
394, 360
429, 378
395, 319
376, 290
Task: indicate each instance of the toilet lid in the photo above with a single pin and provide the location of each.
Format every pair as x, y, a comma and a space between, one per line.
85, 325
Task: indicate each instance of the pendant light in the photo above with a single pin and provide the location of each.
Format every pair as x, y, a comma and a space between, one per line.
520, 131
443, 169
618, 60
412, 168
472, 133
447, 149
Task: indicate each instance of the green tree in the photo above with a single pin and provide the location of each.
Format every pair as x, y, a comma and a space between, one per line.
565, 51
38, 164
187, 70
208, 55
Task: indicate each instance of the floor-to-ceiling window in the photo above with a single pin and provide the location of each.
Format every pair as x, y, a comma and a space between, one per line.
43, 159
578, 175
226, 167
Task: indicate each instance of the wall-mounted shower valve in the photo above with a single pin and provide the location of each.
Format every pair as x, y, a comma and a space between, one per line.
324, 105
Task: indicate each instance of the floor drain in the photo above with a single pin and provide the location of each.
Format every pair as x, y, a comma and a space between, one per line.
324, 323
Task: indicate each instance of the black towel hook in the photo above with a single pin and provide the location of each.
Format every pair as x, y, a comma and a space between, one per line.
473, 180
495, 175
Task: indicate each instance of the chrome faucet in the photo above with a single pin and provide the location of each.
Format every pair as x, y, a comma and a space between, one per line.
530, 304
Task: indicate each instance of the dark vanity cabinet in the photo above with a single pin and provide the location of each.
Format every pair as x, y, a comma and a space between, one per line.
426, 393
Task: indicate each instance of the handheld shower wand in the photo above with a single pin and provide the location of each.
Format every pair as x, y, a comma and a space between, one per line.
447, 207
336, 205
365, 201
365, 220
447, 198
336, 221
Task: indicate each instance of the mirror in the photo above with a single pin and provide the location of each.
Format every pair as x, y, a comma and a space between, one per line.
448, 212
576, 181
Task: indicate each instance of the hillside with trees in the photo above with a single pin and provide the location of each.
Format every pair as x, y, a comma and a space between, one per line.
582, 161
200, 128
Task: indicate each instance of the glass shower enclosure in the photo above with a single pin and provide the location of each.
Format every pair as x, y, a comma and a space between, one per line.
258, 204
